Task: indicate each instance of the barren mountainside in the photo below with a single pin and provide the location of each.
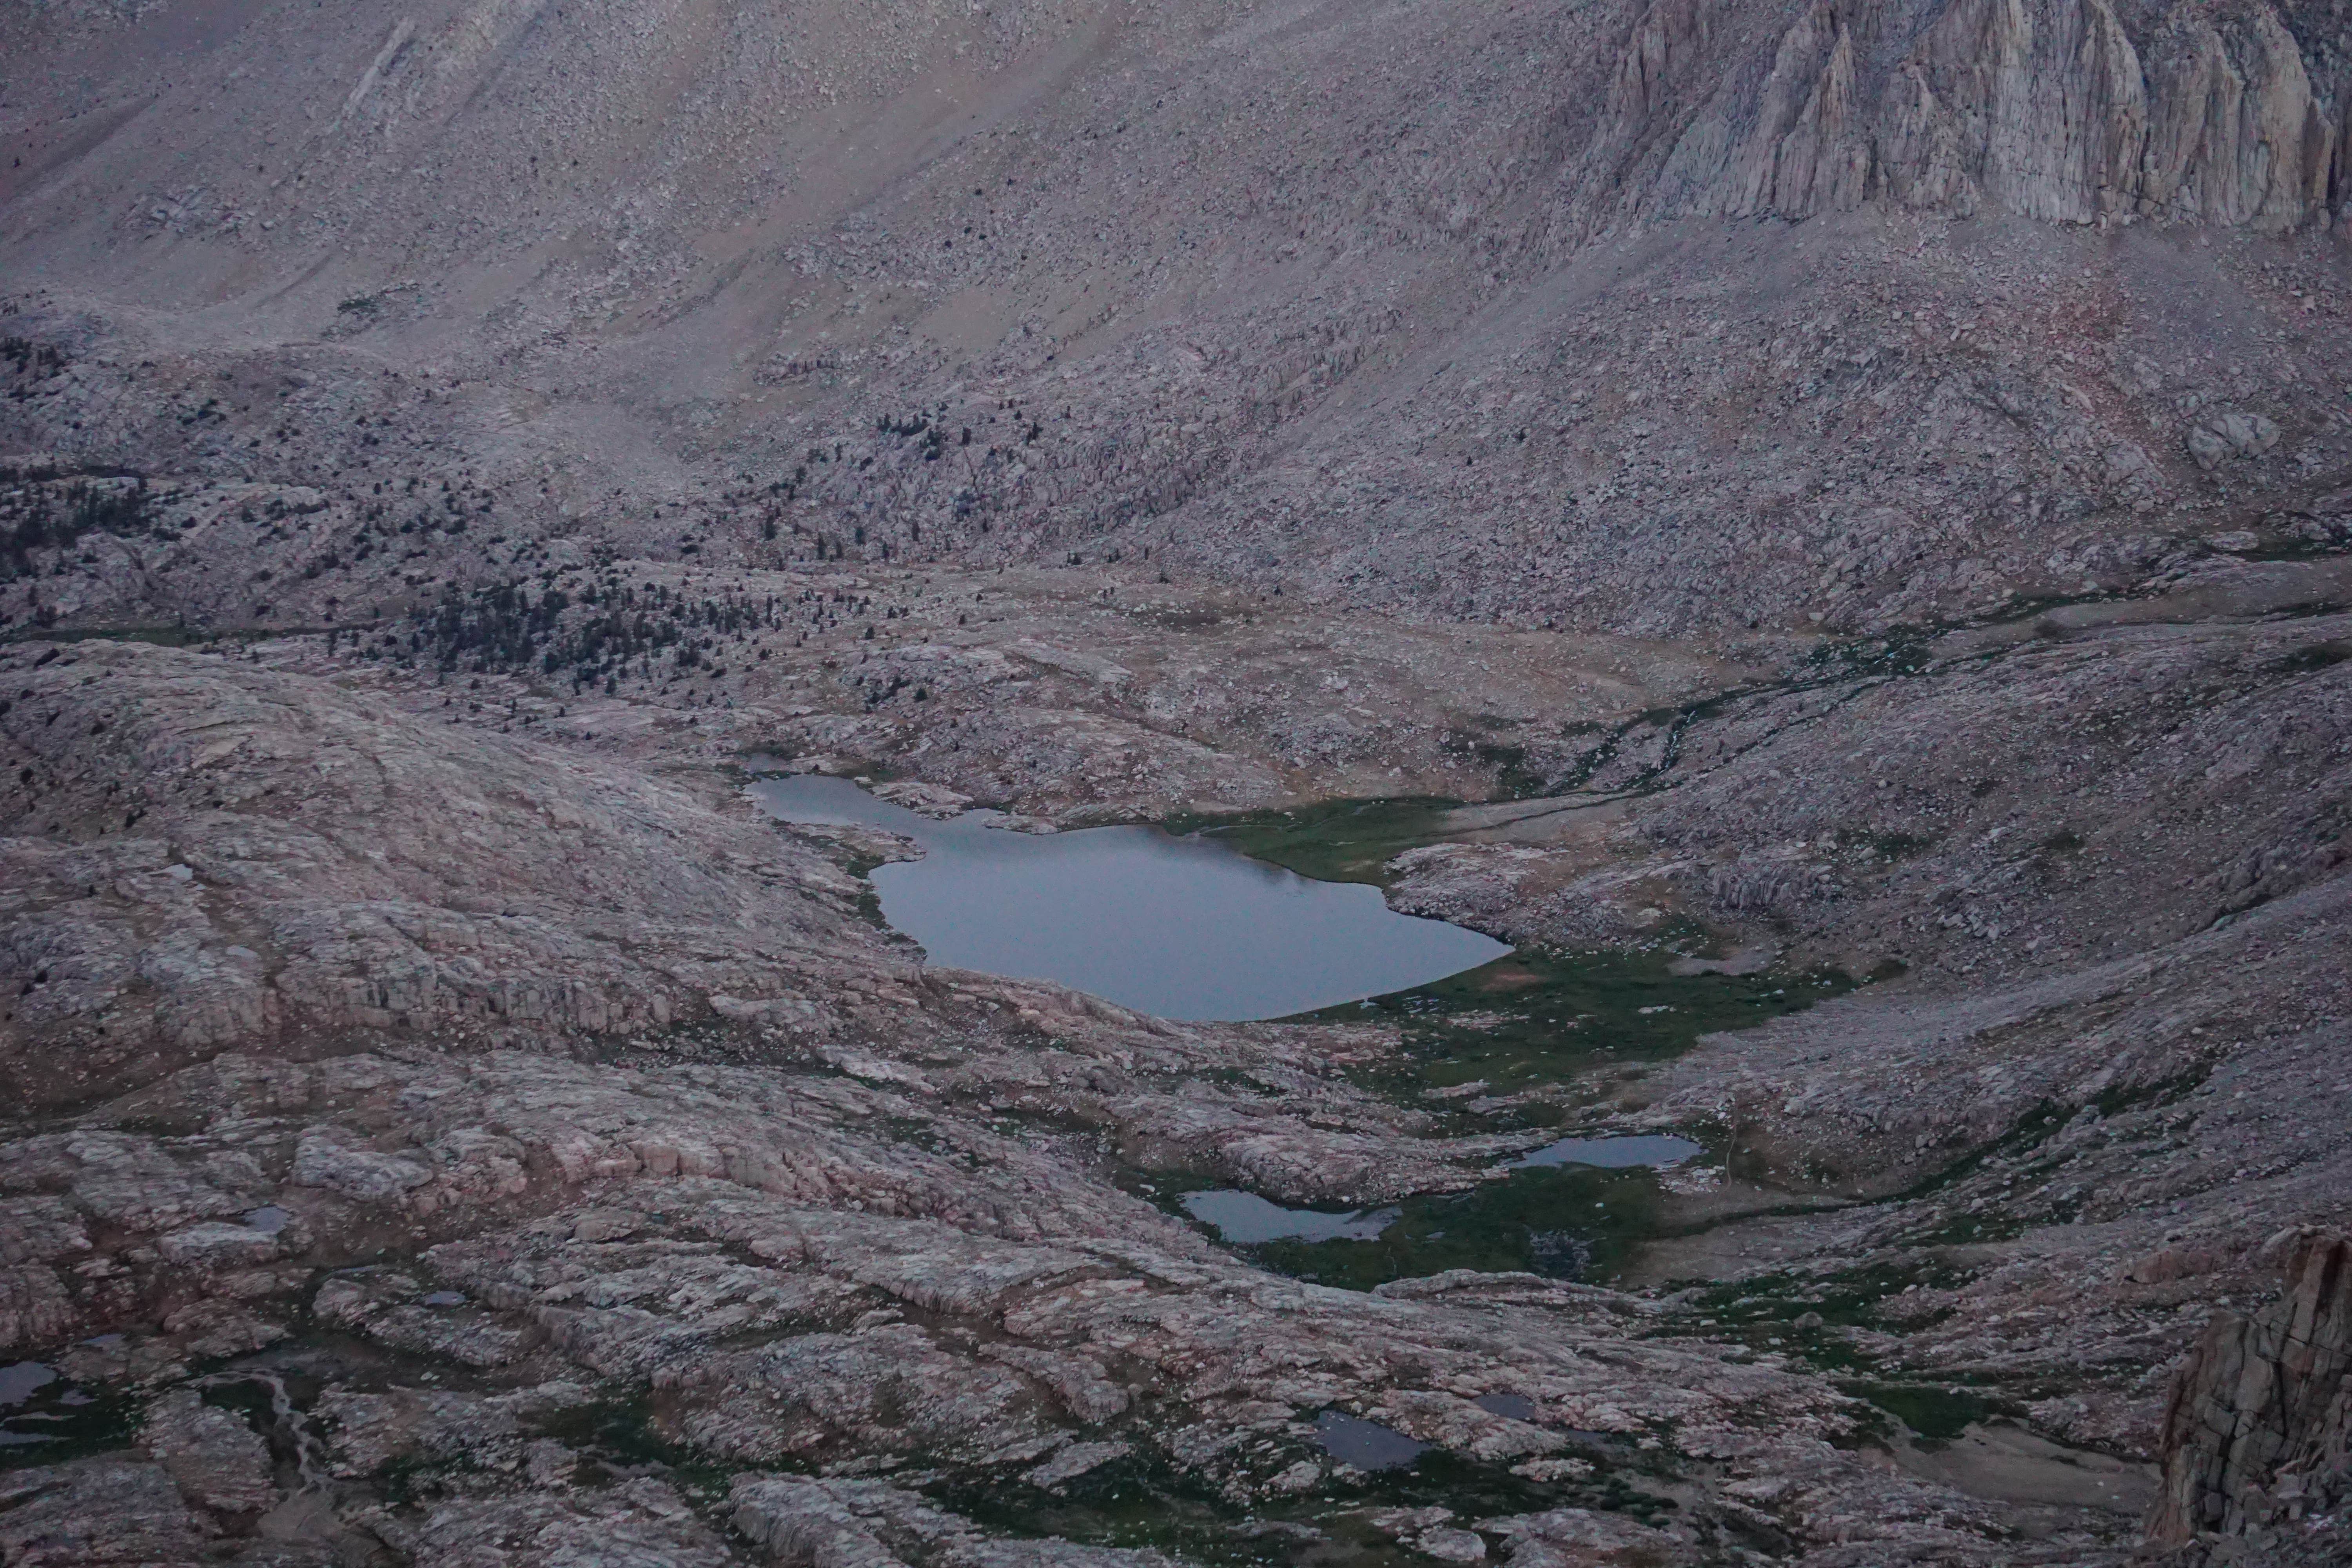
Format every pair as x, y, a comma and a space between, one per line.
1829, 528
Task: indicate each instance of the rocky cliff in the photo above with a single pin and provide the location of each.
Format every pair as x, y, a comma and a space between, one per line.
2060, 110
2258, 1435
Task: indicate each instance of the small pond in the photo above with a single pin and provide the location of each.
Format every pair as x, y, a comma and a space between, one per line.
19, 1379
1655, 1151
1245, 1219
41, 1414
1181, 928
1366, 1444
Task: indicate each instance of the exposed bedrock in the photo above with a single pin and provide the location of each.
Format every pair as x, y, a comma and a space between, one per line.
2258, 1434
1430, 308
2073, 110
1844, 509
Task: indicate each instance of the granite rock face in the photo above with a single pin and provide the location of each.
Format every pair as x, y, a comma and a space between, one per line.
2258, 1434
850, 1216
338, 923
981, 1310
2067, 111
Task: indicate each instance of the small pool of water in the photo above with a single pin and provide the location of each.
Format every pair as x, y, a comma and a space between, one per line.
19, 1382
1181, 928
1366, 1444
1611, 1154
1244, 1219
19, 1379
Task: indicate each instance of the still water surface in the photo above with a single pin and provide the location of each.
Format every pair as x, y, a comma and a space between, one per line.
1183, 928
1366, 1444
1656, 1151
1245, 1219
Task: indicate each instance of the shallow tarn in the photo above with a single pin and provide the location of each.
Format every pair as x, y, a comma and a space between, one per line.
46, 1416
1366, 1444
1183, 928
1244, 1219
1653, 1151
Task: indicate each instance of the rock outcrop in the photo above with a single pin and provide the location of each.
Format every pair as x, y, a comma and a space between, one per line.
2258, 1435
2047, 109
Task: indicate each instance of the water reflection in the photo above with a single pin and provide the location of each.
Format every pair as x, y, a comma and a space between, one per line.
1611, 1154
19, 1379
1366, 1444
1243, 1219
1183, 928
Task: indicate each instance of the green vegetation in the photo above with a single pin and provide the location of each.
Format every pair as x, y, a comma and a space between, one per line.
60, 1421
1897, 846
869, 900
1850, 1299
622, 1435
1905, 651
1336, 841
2318, 656
1541, 1016
1477, 1491
1806, 1315
1936, 1413
1515, 777
607, 631
1567, 1222
171, 636
1139, 1501
1533, 1019
2036, 1126
27, 358
35, 515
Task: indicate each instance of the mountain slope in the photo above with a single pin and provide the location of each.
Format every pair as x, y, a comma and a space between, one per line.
1445, 307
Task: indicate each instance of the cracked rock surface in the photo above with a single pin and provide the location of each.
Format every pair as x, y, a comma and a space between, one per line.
1824, 526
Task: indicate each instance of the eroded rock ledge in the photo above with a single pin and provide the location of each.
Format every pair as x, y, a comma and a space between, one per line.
2258, 1437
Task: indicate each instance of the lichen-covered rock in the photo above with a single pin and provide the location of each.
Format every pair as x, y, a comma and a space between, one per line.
329, 1158
215, 1245
34, 1307
872, 1524
1577, 1538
